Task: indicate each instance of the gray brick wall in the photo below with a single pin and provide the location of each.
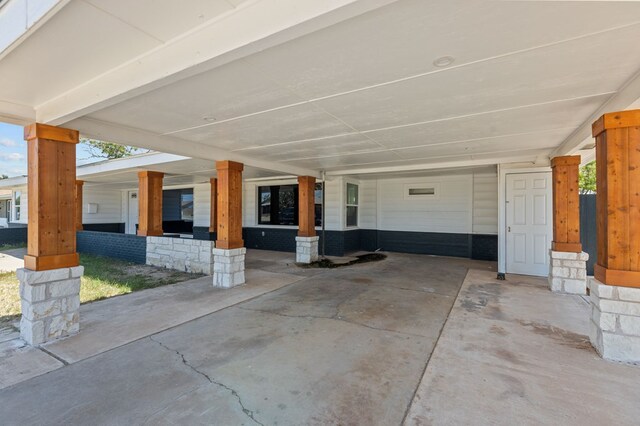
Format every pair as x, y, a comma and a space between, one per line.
131, 248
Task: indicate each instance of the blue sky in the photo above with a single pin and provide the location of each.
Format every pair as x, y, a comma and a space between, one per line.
13, 151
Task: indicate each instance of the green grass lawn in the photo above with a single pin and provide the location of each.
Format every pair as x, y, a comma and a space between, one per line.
4, 247
103, 277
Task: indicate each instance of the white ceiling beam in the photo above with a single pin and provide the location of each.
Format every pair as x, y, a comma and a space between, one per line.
621, 100
16, 113
101, 130
433, 166
252, 27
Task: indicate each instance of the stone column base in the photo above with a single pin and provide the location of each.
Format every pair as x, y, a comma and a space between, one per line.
615, 321
228, 267
50, 303
307, 249
568, 272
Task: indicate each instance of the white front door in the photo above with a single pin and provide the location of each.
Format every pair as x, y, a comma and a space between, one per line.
133, 212
529, 223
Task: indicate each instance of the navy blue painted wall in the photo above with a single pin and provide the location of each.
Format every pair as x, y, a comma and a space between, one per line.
588, 229
202, 233
127, 247
13, 235
104, 227
339, 243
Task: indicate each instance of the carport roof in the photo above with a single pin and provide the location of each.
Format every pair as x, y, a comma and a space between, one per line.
346, 86
123, 172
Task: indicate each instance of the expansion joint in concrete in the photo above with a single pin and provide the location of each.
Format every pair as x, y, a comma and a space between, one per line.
233, 392
335, 317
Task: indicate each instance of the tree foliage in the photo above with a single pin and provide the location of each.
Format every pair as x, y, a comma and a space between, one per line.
587, 178
109, 150
4, 177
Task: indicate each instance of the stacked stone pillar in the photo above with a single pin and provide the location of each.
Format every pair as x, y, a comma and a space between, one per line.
615, 289
229, 254
50, 280
568, 269
306, 241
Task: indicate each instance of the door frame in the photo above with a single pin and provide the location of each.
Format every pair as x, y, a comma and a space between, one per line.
503, 171
128, 221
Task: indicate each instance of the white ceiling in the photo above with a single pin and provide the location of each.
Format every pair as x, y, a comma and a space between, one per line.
364, 92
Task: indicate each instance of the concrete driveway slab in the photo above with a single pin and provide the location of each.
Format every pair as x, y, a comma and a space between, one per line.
341, 346
117, 321
12, 260
20, 362
512, 352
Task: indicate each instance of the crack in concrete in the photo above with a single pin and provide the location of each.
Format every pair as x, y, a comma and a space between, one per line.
245, 410
335, 317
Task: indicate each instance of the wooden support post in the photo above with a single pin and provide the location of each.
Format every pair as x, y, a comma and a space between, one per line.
618, 198
51, 197
79, 184
229, 206
150, 203
306, 206
214, 205
566, 204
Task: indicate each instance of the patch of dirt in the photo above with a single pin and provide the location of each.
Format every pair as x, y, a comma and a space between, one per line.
483, 298
361, 280
496, 329
564, 337
328, 263
149, 271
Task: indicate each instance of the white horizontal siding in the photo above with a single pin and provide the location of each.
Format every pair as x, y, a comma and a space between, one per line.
249, 202
368, 204
485, 204
202, 205
334, 209
449, 212
109, 203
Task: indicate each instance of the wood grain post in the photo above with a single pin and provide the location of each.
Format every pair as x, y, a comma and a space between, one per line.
229, 207
566, 204
51, 197
306, 206
618, 198
79, 184
150, 203
213, 224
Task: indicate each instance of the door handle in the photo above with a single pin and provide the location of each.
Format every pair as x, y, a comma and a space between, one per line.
508, 229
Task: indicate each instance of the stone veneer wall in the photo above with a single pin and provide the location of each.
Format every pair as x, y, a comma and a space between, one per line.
182, 254
568, 272
615, 321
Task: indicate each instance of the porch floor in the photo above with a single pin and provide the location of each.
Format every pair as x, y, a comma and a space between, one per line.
339, 346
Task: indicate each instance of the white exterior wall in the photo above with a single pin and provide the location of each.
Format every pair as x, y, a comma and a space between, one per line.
368, 204
485, 203
109, 203
450, 211
465, 203
202, 204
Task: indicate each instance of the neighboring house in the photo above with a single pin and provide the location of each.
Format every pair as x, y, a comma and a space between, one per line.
5, 208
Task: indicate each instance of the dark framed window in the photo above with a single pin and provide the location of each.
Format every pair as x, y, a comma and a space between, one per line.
352, 204
278, 205
186, 206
